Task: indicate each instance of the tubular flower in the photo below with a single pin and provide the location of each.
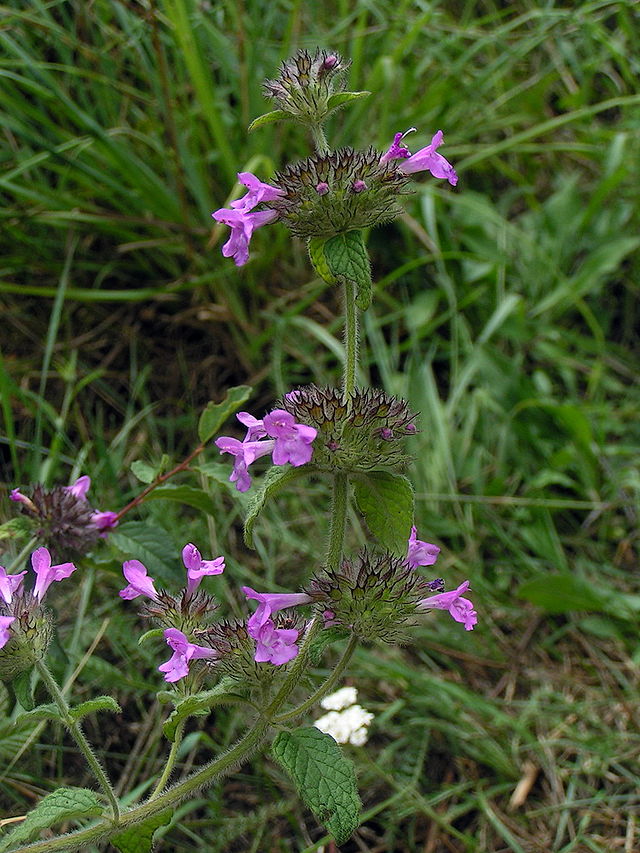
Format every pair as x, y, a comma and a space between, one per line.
80, 488
421, 553
276, 645
197, 568
428, 159
270, 603
184, 652
245, 453
139, 582
5, 624
292, 440
46, 573
461, 609
9, 584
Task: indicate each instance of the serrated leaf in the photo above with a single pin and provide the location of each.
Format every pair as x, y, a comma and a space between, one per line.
152, 545
92, 706
273, 481
268, 118
324, 778
143, 471
22, 686
315, 246
386, 502
562, 593
189, 495
139, 839
64, 804
347, 257
215, 414
339, 99
200, 704
41, 712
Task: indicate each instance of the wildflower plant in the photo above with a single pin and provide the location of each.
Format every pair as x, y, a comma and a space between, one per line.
359, 439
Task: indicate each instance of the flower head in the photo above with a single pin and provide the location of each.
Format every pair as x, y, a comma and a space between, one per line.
197, 568
5, 624
184, 652
428, 159
340, 699
270, 603
461, 609
421, 553
305, 84
46, 573
9, 584
276, 645
292, 440
139, 581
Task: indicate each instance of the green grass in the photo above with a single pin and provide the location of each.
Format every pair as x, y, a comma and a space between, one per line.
506, 312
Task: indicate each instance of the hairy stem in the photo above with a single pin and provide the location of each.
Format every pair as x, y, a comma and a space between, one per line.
79, 737
171, 760
319, 139
339, 505
350, 339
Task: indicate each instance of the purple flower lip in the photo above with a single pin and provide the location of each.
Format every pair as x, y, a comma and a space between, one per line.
139, 581
184, 652
275, 645
460, 609
5, 624
270, 603
46, 573
243, 219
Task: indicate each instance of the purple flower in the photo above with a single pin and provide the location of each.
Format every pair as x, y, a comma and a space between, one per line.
428, 158
255, 428
183, 653
197, 568
46, 573
421, 553
139, 582
293, 441
105, 520
5, 624
258, 192
18, 497
461, 609
242, 223
245, 453
80, 488
9, 584
322, 188
276, 645
396, 150
270, 603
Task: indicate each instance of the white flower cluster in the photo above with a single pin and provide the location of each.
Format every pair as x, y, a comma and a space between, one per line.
346, 722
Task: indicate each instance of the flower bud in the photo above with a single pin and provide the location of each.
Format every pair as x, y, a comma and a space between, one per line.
367, 434
305, 84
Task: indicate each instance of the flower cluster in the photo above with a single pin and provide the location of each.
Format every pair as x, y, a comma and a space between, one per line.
64, 517
277, 433
25, 627
277, 645
305, 84
346, 722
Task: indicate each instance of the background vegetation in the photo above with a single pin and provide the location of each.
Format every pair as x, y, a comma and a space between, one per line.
506, 312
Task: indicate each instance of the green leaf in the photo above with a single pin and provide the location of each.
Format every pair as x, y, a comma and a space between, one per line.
274, 480
199, 705
315, 246
347, 257
61, 805
189, 495
323, 777
143, 471
139, 839
39, 713
152, 632
386, 501
268, 118
562, 593
215, 414
92, 706
341, 98
23, 688
150, 544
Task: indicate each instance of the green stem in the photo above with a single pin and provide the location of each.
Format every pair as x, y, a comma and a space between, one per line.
325, 687
171, 760
339, 504
350, 339
21, 556
319, 139
79, 737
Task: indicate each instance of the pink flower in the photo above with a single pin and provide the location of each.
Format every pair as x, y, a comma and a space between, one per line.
18, 497
421, 553
427, 158
258, 192
255, 428
461, 609
183, 653
293, 441
270, 603
276, 645
242, 223
396, 150
80, 488
46, 573
105, 520
245, 453
5, 624
9, 584
197, 568
139, 582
